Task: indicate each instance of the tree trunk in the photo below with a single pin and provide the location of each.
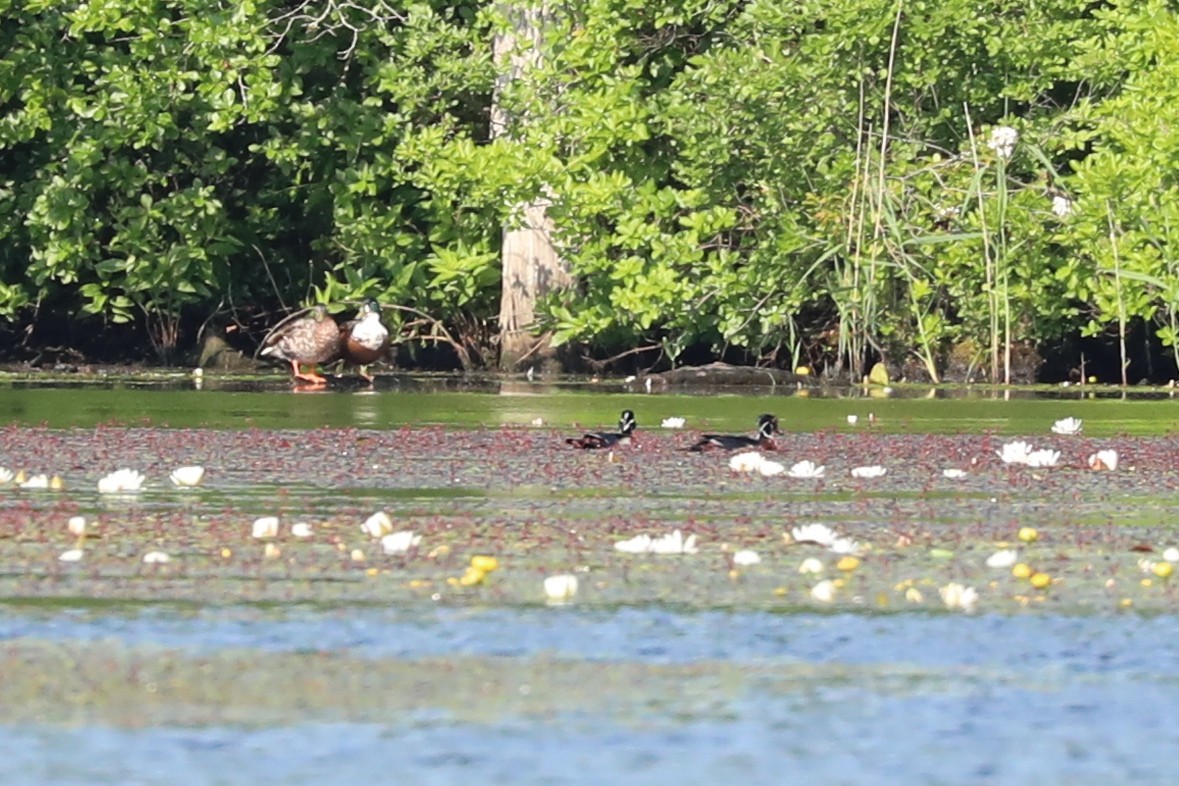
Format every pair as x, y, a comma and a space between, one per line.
532, 267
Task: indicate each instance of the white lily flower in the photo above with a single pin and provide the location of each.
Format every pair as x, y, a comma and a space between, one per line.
36, 482
1067, 427
538, 422
77, 525
1014, 452
121, 481
187, 476
1003, 558
807, 469
378, 525
673, 423
560, 588
674, 543
156, 558
853, 419
746, 462
810, 565
913, 595
301, 529
1043, 458
1171, 554
770, 468
745, 557
1003, 140
5, 476
73, 555
639, 544
824, 591
400, 542
265, 527
953, 474
958, 597
820, 534
874, 471
1104, 459
845, 546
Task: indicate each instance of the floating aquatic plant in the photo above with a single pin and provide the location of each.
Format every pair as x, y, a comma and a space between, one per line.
1044, 457
1104, 460
824, 591
1004, 558
746, 462
874, 471
560, 588
1014, 452
958, 597
673, 423
746, 557
265, 527
378, 525
187, 476
400, 542
121, 481
1068, 426
807, 469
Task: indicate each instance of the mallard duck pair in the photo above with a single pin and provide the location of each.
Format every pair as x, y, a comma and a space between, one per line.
317, 338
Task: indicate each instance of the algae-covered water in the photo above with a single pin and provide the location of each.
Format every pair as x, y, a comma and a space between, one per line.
323, 658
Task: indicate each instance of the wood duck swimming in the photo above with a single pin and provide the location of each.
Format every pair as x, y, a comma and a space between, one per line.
767, 427
364, 340
307, 341
605, 439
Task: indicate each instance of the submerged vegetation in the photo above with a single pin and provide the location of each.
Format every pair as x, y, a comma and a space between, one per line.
945, 186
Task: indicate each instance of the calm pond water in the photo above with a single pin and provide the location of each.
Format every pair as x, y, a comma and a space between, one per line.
649, 693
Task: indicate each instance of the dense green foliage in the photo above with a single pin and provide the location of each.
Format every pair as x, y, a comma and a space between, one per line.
804, 181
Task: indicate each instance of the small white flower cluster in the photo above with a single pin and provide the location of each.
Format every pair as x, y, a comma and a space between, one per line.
1003, 140
1062, 206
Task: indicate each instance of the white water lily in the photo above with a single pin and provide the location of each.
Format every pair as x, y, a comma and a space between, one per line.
913, 595
560, 588
824, 591
1044, 457
810, 565
265, 527
746, 557
1171, 554
538, 422
36, 482
845, 546
807, 469
1146, 565
72, 555
400, 542
873, 471
673, 423
958, 597
1104, 459
187, 476
1014, 452
121, 481
639, 544
953, 474
746, 462
853, 420
156, 558
1003, 558
301, 529
674, 543
77, 525
5, 476
820, 534
1068, 426
378, 525
770, 468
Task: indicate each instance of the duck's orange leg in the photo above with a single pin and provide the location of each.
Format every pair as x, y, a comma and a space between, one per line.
308, 377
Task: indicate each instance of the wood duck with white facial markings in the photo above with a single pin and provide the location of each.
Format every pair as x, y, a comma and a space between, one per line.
605, 439
767, 427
